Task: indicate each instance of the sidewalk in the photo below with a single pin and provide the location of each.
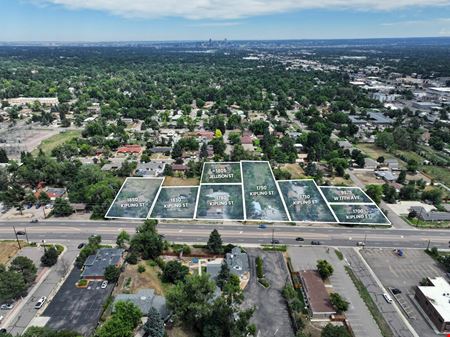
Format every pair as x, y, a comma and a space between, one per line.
47, 285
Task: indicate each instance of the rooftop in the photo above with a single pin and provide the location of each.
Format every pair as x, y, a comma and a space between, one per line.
438, 295
318, 298
95, 265
145, 299
237, 261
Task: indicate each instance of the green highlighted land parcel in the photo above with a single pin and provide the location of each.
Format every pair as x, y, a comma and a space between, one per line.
135, 198
220, 202
175, 203
360, 214
262, 199
221, 173
304, 201
345, 195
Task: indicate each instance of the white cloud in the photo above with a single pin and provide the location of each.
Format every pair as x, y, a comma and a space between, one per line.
230, 9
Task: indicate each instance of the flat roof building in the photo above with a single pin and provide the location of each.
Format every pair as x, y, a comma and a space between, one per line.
95, 265
435, 302
316, 294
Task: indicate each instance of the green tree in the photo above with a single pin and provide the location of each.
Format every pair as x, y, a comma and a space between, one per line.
12, 286
3, 156
339, 302
62, 207
154, 327
412, 166
122, 238
375, 192
127, 312
331, 330
191, 300
174, 271
44, 198
24, 266
385, 140
50, 257
35, 331
147, 242
324, 268
114, 327
112, 273
215, 242
401, 177
223, 276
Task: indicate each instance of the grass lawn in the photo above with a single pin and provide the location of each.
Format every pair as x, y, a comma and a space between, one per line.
49, 144
175, 181
295, 170
374, 151
376, 314
438, 173
131, 280
8, 249
426, 224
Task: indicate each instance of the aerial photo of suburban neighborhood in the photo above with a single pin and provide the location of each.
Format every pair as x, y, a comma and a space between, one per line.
224, 169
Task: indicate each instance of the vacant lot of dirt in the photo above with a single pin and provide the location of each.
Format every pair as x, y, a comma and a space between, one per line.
175, 181
131, 280
8, 249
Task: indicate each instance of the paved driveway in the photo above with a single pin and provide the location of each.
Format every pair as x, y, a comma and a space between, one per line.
271, 316
77, 309
361, 321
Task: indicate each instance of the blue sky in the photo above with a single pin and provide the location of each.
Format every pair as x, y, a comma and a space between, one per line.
124, 20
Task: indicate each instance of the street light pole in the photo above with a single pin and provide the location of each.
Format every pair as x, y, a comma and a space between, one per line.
15, 233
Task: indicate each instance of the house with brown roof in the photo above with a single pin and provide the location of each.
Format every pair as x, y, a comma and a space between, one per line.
129, 149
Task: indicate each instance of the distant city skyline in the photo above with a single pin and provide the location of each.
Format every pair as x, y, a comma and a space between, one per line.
157, 20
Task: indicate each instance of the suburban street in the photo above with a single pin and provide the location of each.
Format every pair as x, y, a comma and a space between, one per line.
66, 231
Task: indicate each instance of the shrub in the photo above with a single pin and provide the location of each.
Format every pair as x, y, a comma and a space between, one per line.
132, 258
141, 268
339, 302
259, 267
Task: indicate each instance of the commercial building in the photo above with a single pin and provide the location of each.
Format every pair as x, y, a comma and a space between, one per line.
45, 101
434, 300
316, 294
95, 265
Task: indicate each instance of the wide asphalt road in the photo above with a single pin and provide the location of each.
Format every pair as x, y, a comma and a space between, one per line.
233, 233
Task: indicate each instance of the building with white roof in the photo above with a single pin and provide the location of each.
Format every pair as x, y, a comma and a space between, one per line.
434, 300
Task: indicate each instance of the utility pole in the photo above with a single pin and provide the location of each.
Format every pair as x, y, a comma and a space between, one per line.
365, 240
15, 233
26, 235
273, 233
428, 246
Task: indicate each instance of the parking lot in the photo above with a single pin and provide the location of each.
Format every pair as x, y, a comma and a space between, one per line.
271, 316
404, 273
361, 321
77, 309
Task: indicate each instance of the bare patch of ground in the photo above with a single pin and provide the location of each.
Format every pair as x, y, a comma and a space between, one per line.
294, 169
175, 181
8, 249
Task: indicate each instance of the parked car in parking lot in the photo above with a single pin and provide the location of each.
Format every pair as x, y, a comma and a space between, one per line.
1, 318
104, 284
40, 303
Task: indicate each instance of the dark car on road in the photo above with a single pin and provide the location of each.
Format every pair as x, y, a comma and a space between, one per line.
34, 221
275, 241
315, 243
299, 239
81, 245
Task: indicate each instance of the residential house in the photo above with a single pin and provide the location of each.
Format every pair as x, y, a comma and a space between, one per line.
237, 261
145, 299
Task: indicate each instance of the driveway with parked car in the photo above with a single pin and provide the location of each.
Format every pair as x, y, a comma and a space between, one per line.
77, 309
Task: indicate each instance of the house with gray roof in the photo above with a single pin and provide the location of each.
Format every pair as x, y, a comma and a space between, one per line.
237, 262
150, 169
95, 265
145, 299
